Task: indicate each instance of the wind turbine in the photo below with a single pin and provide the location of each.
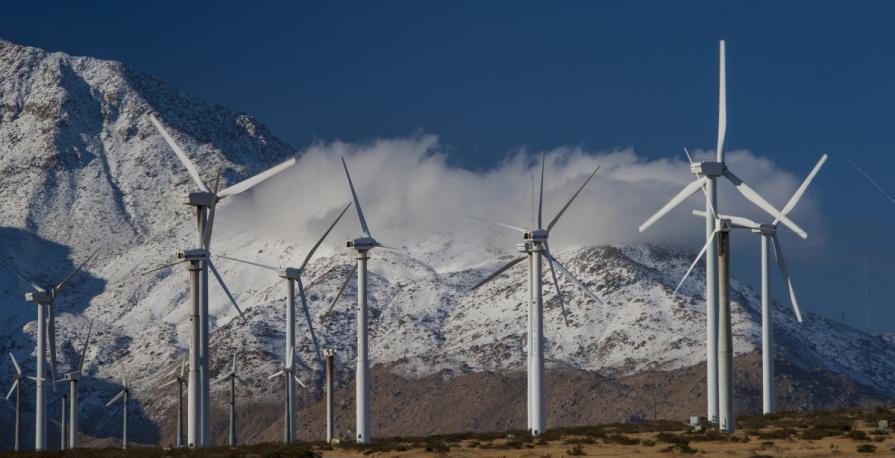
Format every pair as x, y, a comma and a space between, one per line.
535, 246
17, 388
330, 353
179, 380
205, 201
73, 378
707, 174
62, 423
292, 275
768, 234
288, 374
46, 334
124, 395
232, 378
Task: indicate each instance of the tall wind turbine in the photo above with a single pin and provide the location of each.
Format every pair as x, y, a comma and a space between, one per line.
124, 395
768, 236
73, 378
205, 201
232, 378
17, 388
46, 334
707, 174
287, 372
179, 380
534, 245
292, 275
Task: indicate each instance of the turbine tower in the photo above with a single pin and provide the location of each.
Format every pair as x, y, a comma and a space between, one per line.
179, 380
535, 246
292, 275
124, 395
768, 236
46, 336
288, 374
205, 201
707, 174
232, 378
73, 378
330, 353
17, 388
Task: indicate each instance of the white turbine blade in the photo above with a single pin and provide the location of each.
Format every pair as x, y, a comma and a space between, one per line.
496, 273
341, 289
209, 226
183, 369
317, 245
20, 276
83, 354
541, 197
16, 364
117, 397
564, 207
290, 357
562, 306
761, 203
169, 383
781, 263
688, 191
278, 374
360, 212
798, 194
64, 282
871, 180
256, 264
734, 220
722, 102
184, 159
255, 180
217, 275
515, 228
234, 364
695, 261
304, 306
163, 267
12, 389
51, 341
574, 279
297, 380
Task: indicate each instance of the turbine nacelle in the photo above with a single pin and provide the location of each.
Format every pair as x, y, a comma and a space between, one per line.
41, 297
290, 273
362, 244
723, 225
765, 229
537, 235
72, 377
198, 254
707, 169
202, 199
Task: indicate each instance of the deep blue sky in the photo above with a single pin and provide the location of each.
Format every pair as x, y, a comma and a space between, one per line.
490, 77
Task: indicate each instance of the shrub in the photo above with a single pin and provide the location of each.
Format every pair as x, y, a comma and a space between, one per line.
576, 450
621, 439
856, 434
866, 448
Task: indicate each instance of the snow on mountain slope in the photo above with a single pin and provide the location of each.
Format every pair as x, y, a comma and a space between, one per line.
81, 168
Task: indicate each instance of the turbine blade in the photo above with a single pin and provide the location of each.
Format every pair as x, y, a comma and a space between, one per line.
541, 196
781, 263
688, 191
83, 354
278, 374
722, 102
693, 264
21, 277
497, 273
871, 180
51, 341
250, 182
515, 228
798, 194
760, 202
117, 397
341, 289
64, 282
734, 220
234, 364
263, 266
316, 245
12, 389
563, 209
217, 275
562, 306
304, 306
183, 369
290, 358
574, 279
16, 364
169, 383
184, 159
297, 380
360, 213
209, 226
163, 267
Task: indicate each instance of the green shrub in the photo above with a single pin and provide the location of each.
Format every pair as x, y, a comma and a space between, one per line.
866, 448
576, 450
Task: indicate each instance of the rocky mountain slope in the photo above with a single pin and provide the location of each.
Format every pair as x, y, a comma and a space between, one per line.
81, 168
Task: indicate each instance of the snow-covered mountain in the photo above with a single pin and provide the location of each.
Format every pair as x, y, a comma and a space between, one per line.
81, 168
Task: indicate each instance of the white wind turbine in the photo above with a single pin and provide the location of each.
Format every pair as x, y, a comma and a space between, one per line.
73, 378
124, 395
179, 380
205, 200
292, 275
768, 234
287, 372
17, 388
535, 245
232, 378
707, 174
46, 334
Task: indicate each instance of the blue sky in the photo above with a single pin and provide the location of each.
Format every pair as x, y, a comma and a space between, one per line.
491, 77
